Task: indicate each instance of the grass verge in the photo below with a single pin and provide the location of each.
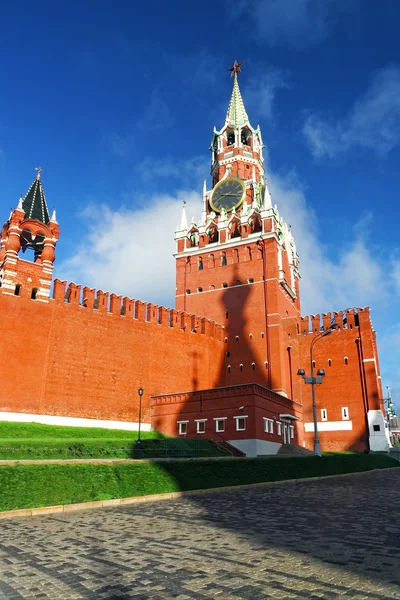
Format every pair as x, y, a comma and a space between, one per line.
34, 441
28, 486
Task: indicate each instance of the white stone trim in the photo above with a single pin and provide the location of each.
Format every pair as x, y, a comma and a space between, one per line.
329, 426
72, 421
288, 416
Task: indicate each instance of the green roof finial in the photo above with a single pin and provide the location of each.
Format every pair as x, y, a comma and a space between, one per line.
236, 115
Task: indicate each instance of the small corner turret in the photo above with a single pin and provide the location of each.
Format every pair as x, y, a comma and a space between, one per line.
29, 228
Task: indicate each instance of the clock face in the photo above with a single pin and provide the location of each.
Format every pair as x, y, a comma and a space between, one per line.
228, 194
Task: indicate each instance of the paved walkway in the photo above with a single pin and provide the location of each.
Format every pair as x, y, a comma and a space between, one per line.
324, 539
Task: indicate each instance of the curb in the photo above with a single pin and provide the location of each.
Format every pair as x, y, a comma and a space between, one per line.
67, 508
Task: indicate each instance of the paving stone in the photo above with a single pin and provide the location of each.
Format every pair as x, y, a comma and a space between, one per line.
335, 538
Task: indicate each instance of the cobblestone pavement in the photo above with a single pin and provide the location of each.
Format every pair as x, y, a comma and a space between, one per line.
330, 538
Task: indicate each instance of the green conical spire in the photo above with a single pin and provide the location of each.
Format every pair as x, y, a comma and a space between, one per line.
34, 204
236, 115
390, 406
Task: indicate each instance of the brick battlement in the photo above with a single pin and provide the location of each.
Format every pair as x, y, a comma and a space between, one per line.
346, 320
124, 307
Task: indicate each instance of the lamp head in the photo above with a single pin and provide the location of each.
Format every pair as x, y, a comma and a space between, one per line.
321, 373
301, 372
140, 391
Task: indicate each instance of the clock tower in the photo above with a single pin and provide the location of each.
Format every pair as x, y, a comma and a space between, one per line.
238, 264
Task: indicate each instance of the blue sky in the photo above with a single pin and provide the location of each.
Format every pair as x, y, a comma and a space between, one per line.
116, 102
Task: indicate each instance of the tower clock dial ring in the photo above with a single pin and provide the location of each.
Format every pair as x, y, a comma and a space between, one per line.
228, 194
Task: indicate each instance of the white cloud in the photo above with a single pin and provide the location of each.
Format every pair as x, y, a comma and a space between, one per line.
373, 122
157, 115
189, 173
354, 277
396, 278
120, 145
260, 92
129, 250
297, 23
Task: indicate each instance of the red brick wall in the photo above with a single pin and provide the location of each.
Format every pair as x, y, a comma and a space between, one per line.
256, 403
64, 359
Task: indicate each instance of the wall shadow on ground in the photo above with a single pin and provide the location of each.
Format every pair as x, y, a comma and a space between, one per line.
339, 523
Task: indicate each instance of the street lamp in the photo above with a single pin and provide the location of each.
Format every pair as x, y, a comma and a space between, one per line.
315, 380
140, 392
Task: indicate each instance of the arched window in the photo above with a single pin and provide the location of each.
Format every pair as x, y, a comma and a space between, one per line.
241, 368
346, 360
200, 264
329, 362
235, 230
17, 289
211, 262
34, 293
223, 260
313, 363
253, 366
237, 338
229, 368
213, 235
230, 137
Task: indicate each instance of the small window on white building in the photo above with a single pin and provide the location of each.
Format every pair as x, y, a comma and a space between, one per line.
182, 427
279, 428
345, 413
324, 414
291, 431
240, 423
201, 425
220, 425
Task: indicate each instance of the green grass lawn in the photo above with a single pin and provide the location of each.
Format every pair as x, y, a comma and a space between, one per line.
24, 441
28, 486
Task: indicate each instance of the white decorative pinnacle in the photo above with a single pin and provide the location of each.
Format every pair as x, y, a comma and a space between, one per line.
183, 225
20, 201
53, 217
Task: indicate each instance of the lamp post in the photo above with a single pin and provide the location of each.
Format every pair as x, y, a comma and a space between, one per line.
140, 392
314, 381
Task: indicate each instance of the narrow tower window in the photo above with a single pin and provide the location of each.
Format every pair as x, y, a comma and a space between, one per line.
200, 264
346, 360
34, 293
223, 259
329, 362
17, 289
